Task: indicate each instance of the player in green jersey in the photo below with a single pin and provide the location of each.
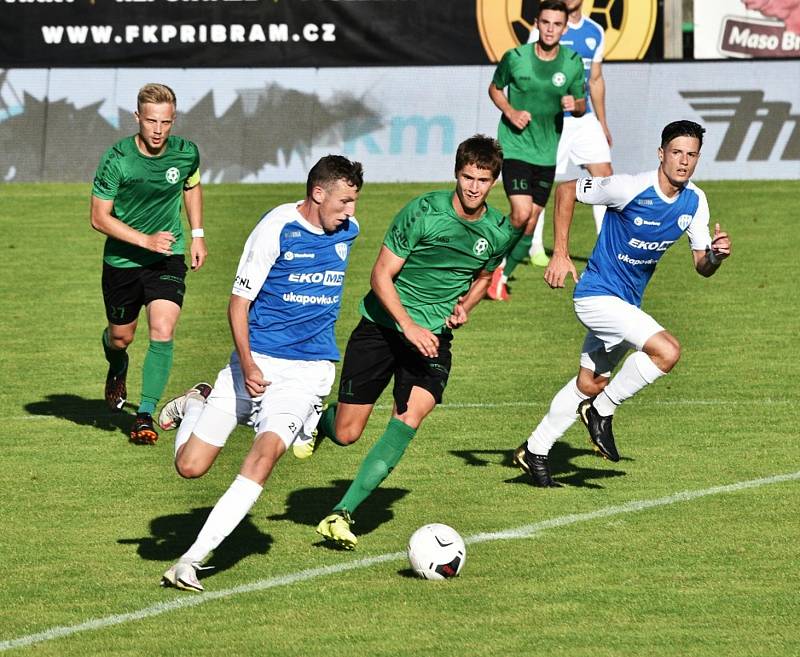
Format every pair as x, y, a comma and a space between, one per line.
136, 203
544, 80
433, 269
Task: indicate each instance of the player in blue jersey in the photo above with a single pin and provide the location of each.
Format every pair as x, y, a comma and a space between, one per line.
586, 139
285, 300
647, 213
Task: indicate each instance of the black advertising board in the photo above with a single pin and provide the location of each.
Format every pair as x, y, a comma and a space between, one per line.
292, 33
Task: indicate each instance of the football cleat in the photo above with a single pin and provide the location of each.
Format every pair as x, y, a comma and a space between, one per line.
143, 432
599, 427
172, 412
183, 576
535, 465
304, 449
336, 528
540, 259
497, 290
116, 392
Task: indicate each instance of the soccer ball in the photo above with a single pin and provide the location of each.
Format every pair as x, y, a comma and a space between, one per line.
436, 551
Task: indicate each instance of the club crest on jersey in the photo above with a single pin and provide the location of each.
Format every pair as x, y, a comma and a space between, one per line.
341, 250
558, 79
591, 42
172, 175
480, 246
684, 220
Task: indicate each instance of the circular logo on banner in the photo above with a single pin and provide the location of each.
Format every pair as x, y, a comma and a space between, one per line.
629, 25
173, 174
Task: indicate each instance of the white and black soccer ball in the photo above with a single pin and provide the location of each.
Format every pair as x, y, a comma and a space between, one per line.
436, 551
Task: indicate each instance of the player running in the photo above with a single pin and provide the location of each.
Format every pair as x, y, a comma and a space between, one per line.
647, 213
285, 300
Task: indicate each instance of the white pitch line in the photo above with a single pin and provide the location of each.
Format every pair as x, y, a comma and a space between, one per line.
510, 404
526, 531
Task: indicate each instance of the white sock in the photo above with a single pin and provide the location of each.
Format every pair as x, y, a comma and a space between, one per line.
191, 413
598, 212
537, 245
636, 372
227, 513
562, 413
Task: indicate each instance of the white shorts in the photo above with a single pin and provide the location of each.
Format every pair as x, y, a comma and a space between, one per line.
290, 406
583, 142
615, 326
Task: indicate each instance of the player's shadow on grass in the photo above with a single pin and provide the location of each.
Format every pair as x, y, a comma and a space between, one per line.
308, 506
171, 535
86, 412
562, 468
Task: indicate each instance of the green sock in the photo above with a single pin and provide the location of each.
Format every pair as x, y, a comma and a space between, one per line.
157, 364
379, 462
518, 253
117, 358
327, 424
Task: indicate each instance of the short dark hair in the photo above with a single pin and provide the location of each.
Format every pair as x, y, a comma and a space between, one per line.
331, 168
482, 151
682, 128
554, 5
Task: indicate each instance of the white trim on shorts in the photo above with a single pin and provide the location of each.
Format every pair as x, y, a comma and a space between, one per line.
614, 327
290, 406
582, 142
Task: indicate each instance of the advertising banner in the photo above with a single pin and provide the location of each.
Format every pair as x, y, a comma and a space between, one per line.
270, 125
747, 29
294, 33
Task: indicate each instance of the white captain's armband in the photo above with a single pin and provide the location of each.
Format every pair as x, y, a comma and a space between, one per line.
193, 180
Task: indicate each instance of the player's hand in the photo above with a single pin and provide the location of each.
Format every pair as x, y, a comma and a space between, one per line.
458, 317
519, 118
556, 272
199, 252
254, 381
425, 341
720, 244
160, 242
568, 103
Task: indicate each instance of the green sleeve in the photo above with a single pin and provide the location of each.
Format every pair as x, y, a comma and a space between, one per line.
406, 229
107, 177
502, 74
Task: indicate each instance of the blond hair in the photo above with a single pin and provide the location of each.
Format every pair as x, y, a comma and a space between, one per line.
156, 94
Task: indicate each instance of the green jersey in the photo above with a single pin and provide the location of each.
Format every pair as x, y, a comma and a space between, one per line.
147, 193
442, 253
537, 86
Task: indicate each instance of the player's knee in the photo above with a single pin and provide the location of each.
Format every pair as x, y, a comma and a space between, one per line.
592, 387
120, 341
189, 468
670, 356
520, 218
348, 434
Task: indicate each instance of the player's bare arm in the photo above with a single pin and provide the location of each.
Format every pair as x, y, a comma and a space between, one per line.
518, 118
597, 92
104, 222
193, 202
560, 263
386, 268
238, 310
472, 298
707, 262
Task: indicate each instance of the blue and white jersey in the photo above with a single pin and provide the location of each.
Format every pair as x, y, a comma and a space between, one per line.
640, 225
587, 38
293, 272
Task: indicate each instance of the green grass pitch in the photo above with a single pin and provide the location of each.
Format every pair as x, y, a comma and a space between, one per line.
615, 563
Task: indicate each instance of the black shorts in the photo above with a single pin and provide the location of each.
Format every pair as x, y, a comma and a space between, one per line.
523, 179
375, 353
127, 289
